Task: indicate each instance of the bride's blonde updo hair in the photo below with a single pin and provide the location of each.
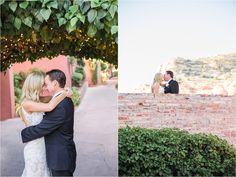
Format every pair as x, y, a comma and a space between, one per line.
32, 86
157, 79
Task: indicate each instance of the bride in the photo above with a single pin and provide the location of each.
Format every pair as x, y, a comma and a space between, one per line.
31, 112
157, 87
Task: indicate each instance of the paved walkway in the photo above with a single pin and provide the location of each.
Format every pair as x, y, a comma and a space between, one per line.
96, 136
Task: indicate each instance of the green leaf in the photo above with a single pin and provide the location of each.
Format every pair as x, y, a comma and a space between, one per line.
73, 21
45, 13
70, 28
92, 30
53, 4
36, 26
95, 3
24, 5
13, 6
114, 29
61, 21
44, 2
101, 13
81, 17
92, 14
2, 1
28, 21
85, 7
59, 15
74, 9
106, 5
98, 24
67, 15
66, 5
109, 18
17, 23
112, 10
39, 16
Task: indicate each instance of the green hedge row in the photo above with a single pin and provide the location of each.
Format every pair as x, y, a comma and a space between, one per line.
172, 152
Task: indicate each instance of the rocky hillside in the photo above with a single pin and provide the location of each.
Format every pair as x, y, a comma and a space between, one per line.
211, 75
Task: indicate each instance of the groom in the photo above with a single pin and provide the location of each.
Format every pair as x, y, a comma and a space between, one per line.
57, 128
172, 86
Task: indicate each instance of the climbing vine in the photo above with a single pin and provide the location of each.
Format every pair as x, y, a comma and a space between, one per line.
31, 30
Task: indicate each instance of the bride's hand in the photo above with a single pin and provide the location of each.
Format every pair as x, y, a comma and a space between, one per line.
68, 91
22, 117
24, 121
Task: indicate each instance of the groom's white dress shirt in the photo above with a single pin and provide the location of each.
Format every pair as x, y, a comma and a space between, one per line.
56, 94
167, 84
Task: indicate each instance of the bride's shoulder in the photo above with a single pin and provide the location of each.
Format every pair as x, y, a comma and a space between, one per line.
156, 84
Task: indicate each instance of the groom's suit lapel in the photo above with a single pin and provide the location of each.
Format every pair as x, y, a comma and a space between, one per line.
167, 88
170, 82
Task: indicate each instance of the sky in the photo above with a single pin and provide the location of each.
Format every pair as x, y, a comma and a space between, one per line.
151, 32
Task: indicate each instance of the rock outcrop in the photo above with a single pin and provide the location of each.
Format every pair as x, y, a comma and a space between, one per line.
212, 75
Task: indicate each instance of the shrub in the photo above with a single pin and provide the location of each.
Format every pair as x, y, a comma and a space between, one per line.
78, 76
72, 60
172, 152
94, 75
80, 69
18, 83
103, 66
80, 62
76, 96
22, 76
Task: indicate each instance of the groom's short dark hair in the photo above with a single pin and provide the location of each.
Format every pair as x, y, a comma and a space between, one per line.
170, 73
57, 75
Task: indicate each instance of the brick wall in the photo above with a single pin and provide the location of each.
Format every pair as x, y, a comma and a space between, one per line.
194, 113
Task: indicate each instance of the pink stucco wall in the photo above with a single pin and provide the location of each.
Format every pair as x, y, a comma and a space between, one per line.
7, 95
45, 64
88, 72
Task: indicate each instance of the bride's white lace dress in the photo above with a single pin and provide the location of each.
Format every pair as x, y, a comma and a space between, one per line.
34, 151
162, 90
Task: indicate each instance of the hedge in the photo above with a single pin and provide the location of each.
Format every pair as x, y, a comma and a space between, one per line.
172, 152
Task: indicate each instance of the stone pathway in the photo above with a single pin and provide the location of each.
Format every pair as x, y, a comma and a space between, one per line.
96, 134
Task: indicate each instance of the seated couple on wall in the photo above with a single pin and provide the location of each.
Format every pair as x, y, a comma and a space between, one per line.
170, 86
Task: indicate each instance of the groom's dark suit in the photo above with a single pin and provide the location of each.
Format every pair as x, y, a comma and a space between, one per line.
57, 128
173, 87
